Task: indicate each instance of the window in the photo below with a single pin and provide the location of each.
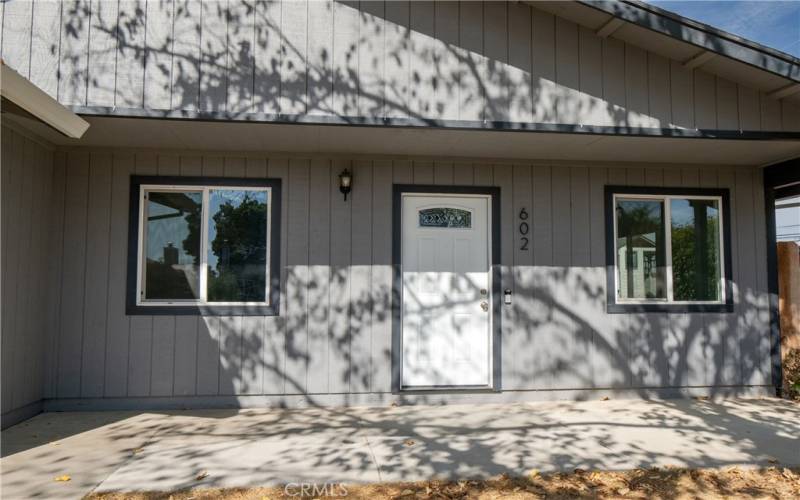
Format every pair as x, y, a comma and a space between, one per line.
667, 249
203, 246
445, 217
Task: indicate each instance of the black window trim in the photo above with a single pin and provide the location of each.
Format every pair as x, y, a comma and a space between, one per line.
612, 306
271, 309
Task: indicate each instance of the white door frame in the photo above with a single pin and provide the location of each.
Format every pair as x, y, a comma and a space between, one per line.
496, 302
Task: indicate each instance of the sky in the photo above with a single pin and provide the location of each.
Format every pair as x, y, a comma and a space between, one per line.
772, 23
787, 219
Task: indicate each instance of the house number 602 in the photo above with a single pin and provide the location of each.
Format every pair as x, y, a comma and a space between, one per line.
524, 229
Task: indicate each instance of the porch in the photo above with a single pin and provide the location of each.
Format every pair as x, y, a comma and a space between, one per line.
107, 451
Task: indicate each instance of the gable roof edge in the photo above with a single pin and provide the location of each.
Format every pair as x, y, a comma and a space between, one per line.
701, 35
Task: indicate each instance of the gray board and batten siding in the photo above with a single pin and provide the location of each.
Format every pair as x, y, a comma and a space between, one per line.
65, 211
331, 342
438, 63
31, 260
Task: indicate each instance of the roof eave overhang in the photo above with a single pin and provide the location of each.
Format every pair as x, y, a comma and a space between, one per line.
39, 105
701, 35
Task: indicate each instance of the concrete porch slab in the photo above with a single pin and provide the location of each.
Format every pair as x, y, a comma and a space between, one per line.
111, 451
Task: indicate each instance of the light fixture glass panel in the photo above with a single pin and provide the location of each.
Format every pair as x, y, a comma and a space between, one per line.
641, 250
172, 255
696, 268
237, 245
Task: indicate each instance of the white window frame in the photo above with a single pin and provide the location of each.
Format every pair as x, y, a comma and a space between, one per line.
204, 189
666, 199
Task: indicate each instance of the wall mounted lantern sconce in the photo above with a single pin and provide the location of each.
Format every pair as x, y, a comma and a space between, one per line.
345, 182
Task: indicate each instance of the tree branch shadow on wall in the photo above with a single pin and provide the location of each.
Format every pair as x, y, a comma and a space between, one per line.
562, 347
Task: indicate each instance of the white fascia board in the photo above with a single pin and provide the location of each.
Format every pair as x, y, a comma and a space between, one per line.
38, 103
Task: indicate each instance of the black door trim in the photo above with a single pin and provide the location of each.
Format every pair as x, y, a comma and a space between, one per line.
397, 283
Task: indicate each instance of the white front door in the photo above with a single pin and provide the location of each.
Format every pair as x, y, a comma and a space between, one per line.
447, 303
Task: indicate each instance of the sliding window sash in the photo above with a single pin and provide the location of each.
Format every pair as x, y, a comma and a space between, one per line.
617, 304
137, 304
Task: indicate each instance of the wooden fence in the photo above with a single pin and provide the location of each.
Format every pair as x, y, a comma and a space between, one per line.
789, 291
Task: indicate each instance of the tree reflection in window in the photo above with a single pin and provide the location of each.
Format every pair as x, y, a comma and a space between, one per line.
695, 249
445, 217
237, 252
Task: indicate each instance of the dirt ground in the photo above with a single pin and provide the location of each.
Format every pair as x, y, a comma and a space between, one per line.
667, 483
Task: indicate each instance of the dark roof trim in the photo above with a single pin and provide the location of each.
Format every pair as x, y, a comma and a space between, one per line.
485, 125
782, 174
701, 35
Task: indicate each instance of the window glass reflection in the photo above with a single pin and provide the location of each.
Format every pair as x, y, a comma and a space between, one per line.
640, 247
237, 245
695, 249
172, 256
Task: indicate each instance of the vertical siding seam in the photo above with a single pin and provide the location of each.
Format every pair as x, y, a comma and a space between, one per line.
20, 315
625, 84
85, 263
603, 71
88, 58
484, 96
308, 255
692, 77
30, 40
330, 276
280, 92
532, 83
669, 95
371, 288
145, 52
358, 83
171, 84
350, 298
55, 342
716, 106
307, 65
383, 64
738, 108
252, 107
116, 67
58, 68
108, 271
647, 84
552, 240
580, 38
228, 20
531, 215
370, 268
458, 73
200, 73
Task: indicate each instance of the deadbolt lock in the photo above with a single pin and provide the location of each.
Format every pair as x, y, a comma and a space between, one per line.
483, 292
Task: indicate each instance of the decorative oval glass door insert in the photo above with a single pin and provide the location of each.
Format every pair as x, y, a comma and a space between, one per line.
445, 217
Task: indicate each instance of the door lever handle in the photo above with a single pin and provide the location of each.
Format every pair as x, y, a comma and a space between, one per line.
485, 306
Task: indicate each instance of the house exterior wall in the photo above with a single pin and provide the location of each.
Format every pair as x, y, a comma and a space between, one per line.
444, 61
332, 339
29, 255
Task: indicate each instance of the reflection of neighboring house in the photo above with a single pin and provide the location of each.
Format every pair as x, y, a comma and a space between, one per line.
642, 266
